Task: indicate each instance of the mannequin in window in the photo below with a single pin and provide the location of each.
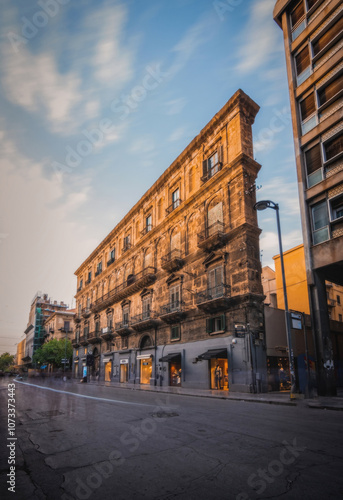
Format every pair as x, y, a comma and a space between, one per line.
218, 375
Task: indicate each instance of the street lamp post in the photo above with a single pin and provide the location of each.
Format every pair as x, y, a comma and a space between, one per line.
262, 205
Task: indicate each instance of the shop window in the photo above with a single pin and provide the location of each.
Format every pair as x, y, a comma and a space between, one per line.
333, 148
175, 332
308, 113
216, 324
328, 39
314, 169
320, 221
336, 207
330, 92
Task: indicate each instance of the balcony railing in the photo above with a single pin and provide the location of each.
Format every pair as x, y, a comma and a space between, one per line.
212, 171
94, 337
213, 236
134, 283
214, 299
173, 206
84, 339
110, 261
144, 321
146, 230
122, 328
172, 312
107, 333
86, 311
172, 261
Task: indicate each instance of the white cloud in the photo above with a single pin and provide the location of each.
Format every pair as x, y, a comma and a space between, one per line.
178, 134
286, 193
175, 106
260, 40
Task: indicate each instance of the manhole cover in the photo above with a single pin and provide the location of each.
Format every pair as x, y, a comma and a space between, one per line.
51, 413
164, 414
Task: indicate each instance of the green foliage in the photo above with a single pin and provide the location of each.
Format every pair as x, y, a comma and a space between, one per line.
6, 361
53, 352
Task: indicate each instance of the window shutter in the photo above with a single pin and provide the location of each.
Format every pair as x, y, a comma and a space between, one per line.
313, 159
325, 39
297, 13
307, 106
209, 325
333, 147
222, 318
302, 60
204, 168
330, 90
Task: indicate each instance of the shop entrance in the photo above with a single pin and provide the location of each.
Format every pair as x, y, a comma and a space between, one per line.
146, 370
124, 372
278, 373
76, 370
108, 371
219, 374
175, 372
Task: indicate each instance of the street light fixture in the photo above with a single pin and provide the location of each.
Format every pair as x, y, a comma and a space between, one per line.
263, 205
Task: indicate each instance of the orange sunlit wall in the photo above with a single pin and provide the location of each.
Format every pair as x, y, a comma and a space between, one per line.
296, 283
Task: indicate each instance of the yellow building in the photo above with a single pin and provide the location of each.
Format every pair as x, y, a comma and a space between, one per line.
20, 354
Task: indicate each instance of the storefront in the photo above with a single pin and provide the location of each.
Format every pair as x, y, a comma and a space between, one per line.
174, 368
145, 368
76, 367
278, 373
124, 371
218, 368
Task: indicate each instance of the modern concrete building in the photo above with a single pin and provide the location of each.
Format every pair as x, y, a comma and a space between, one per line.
173, 295
42, 307
313, 36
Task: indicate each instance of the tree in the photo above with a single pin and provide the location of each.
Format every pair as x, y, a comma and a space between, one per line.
53, 352
6, 361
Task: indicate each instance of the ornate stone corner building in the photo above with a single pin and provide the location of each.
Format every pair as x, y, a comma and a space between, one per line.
173, 295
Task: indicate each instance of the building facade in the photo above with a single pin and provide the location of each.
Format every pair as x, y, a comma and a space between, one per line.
173, 295
313, 36
42, 307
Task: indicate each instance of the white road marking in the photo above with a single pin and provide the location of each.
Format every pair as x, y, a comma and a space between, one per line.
84, 396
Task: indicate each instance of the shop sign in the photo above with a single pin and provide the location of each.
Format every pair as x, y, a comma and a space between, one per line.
124, 361
240, 331
296, 319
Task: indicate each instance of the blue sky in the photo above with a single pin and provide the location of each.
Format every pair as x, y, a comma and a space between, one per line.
142, 79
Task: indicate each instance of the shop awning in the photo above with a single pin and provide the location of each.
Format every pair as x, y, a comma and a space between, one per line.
214, 354
42, 367
170, 357
108, 353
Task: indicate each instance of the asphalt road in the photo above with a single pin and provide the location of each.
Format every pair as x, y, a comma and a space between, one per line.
78, 441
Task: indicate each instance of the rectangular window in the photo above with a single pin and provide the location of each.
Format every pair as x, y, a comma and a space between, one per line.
215, 282
89, 278
146, 307
331, 90
109, 321
320, 220
126, 315
311, 3
213, 164
81, 284
216, 324
313, 160
336, 205
333, 147
148, 224
175, 332
97, 326
112, 254
298, 20
328, 37
340, 317
174, 297
176, 198
338, 297
303, 65
127, 243
308, 113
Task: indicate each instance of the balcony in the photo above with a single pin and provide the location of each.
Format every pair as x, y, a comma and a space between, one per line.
331, 302
126, 247
84, 340
211, 172
172, 261
123, 328
110, 261
77, 318
94, 337
173, 312
86, 311
76, 341
173, 206
133, 284
146, 230
107, 333
214, 299
213, 237
144, 321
